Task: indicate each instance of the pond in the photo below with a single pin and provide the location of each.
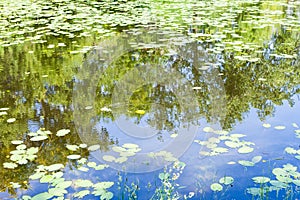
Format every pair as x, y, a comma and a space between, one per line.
150, 99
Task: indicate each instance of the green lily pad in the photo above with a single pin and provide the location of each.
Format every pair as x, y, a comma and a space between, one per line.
39, 138
62, 132
216, 187
55, 167
72, 147
278, 184
57, 191
227, 180
17, 142
246, 163
73, 156
46, 179
83, 183
256, 159
44, 195
81, 194
94, 147
103, 185
11, 120
109, 158
245, 149
279, 127
130, 146
261, 179
9, 165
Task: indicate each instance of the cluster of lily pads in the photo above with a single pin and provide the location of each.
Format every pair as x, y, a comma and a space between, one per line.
285, 177
58, 185
226, 180
230, 140
21, 156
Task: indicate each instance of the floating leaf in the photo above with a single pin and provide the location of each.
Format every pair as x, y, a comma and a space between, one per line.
83, 146
227, 180
121, 160
266, 125
103, 185
256, 159
130, 146
216, 187
44, 195
232, 144
279, 127
109, 158
62, 132
72, 147
278, 184
118, 149
290, 150
55, 167
17, 142
9, 165
73, 156
46, 179
208, 129
11, 120
245, 149
261, 179
81, 194
254, 191
140, 112
83, 183
246, 163
37, 175
57, 191
83, 169
39, 138
94, 147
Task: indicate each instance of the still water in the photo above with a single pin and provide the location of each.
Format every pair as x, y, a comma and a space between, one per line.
149, 100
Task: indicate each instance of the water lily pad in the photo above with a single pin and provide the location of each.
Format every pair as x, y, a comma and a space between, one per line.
246, 163
227, 180
208, 129
72, 147
130, 146
121, 159
261, 179
245, 149
17, 142
11, 120
103, 185
57, 191
62, 132
109, 158
39, 138
140, 112
46, 179
73, 156
256, 159
232, 144
9, 165
83, 183
278, 184
81, 194
216, 187
55, 167
279, 127
83, 146
118, 149
44, 195
266, 125
94, 147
